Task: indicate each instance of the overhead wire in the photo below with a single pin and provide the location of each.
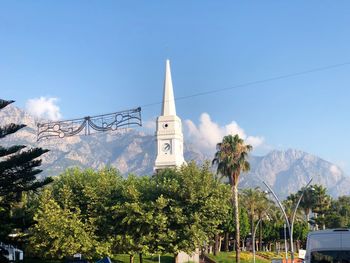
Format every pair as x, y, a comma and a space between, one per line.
255, 82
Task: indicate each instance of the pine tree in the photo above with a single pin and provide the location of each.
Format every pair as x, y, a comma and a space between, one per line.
18, 170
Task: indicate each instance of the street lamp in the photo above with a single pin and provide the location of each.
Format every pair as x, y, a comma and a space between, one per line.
289, 225
253, 237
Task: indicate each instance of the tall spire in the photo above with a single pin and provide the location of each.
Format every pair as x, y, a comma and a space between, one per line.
168, 96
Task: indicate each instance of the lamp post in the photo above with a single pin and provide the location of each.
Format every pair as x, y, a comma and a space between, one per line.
254, 234
285, 241
289, 225
253, 237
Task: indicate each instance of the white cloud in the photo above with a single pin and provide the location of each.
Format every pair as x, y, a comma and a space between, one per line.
255, 141
150, 125
335, 170
44, 107
208, 133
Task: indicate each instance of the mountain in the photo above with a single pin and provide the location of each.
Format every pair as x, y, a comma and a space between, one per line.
288, 171
132, 151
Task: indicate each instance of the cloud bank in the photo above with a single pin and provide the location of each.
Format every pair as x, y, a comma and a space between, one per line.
208, 133
44, 108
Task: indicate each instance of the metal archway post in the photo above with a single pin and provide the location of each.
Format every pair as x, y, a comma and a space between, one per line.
289, 226
294, 213
282, 209
256, 227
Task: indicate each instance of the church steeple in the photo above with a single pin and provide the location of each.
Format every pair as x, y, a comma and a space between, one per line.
168, 93
169, 129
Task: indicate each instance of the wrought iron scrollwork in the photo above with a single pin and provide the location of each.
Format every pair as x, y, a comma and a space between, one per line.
100, 123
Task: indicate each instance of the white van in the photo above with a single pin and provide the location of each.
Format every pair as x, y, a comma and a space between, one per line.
328, 246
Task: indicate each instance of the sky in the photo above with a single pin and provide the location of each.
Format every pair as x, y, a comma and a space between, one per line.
69, 59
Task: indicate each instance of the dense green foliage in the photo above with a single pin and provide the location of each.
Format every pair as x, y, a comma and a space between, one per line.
101, 213
18, 170
72, 215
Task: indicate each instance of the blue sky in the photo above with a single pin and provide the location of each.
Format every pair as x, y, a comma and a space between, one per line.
103, 56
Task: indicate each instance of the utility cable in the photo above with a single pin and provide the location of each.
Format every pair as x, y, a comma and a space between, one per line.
251, 83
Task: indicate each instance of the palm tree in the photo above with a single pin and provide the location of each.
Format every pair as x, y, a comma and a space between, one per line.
250, 199
231, 159
264, 208
289, 206
322, 203
307, 202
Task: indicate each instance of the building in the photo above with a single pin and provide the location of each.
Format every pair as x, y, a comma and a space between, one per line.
169, 134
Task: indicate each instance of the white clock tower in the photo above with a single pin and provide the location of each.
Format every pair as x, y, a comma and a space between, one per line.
169, 129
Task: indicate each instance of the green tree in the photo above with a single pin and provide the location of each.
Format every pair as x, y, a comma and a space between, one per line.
301, 229
91, 192
259, 207
289, 206
271, 231
335, 215
84, 200
244, 223
249, 200
228, 226
175, 210
196, 204
18, 170
264, 211
59, 232
133, 216
231, 160
322, 204
338, 215
307, 202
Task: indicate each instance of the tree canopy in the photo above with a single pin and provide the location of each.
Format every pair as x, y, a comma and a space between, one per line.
172, 211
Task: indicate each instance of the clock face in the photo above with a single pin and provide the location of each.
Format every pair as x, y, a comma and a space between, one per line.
166, 147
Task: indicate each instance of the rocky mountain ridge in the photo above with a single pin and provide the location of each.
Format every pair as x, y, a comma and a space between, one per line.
132, 151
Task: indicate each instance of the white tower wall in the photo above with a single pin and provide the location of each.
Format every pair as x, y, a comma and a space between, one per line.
169, 129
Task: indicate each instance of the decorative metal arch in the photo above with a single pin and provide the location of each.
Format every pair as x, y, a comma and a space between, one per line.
100, 123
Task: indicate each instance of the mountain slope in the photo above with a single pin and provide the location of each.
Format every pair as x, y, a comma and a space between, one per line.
134, 152
288, 171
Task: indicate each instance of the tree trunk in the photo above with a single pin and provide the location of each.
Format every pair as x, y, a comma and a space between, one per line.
252, 224
307, 212
220, 242
216, 244
260, 236
298, 245
236, 209
131, 259
227, 237
316, 225
323, 224
141, 258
